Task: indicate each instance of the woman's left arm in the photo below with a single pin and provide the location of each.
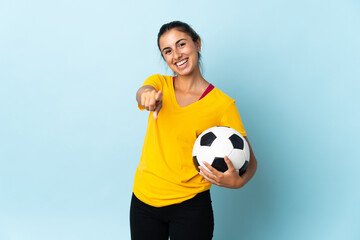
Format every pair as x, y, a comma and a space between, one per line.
230, 178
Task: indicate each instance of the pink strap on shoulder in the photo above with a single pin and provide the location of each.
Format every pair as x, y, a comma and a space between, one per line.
208, 89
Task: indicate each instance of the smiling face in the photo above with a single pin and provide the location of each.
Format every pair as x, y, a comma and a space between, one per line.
180, 52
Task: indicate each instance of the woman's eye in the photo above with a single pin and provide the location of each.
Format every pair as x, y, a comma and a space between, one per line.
167, 51
182, 44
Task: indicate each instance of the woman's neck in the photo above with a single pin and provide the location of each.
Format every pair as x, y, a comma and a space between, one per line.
190, 83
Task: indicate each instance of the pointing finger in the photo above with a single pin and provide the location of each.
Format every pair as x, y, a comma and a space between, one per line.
156, 111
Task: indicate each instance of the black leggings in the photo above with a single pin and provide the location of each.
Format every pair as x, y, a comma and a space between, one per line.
192, 219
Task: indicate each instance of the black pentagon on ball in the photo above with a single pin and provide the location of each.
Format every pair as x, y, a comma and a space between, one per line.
207, 139
243, 168
237, 141
196, 163
219, 164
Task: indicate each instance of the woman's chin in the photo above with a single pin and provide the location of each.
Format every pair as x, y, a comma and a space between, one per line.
183, 72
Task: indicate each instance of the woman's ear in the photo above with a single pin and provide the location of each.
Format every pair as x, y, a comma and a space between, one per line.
198, 44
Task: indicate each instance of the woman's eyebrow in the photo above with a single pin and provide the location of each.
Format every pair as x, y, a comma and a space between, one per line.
175, 43
179, 40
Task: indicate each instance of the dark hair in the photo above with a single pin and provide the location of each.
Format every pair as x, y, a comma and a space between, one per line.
182, 27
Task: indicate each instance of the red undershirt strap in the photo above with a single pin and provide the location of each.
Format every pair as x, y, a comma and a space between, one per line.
208, 89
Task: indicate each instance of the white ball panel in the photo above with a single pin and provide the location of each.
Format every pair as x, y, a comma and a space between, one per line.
237, 158
221, 147
246, 150
204, 154
223, 132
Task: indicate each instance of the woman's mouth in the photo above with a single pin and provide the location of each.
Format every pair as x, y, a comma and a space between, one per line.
182, 63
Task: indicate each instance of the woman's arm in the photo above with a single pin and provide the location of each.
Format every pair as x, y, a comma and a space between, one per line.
230, 178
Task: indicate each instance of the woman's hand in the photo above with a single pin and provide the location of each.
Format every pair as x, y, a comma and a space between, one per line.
150, 99
229, 179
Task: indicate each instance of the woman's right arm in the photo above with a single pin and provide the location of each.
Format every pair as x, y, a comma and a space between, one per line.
150, 99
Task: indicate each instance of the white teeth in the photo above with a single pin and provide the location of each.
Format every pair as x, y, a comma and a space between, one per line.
182, 62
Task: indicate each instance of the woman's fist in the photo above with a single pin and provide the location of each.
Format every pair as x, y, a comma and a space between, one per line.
151, 100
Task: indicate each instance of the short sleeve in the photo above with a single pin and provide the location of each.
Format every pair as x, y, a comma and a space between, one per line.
231, 118
155, 81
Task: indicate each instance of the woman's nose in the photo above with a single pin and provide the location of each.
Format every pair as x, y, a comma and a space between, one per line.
177, 54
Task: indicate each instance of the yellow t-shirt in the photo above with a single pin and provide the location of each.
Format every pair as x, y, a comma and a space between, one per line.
166, 173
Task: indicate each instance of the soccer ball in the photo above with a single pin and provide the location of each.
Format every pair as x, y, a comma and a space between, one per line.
215, 143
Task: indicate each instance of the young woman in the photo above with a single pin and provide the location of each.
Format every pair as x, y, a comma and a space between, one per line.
170, 197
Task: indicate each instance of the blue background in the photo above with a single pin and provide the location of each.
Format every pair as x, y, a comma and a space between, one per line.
71, 133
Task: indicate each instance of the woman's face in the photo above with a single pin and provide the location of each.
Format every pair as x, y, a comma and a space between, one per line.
179, 51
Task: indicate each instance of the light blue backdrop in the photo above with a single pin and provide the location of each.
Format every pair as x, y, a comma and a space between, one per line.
71, 134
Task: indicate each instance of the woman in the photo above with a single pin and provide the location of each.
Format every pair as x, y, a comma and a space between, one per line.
171, 198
